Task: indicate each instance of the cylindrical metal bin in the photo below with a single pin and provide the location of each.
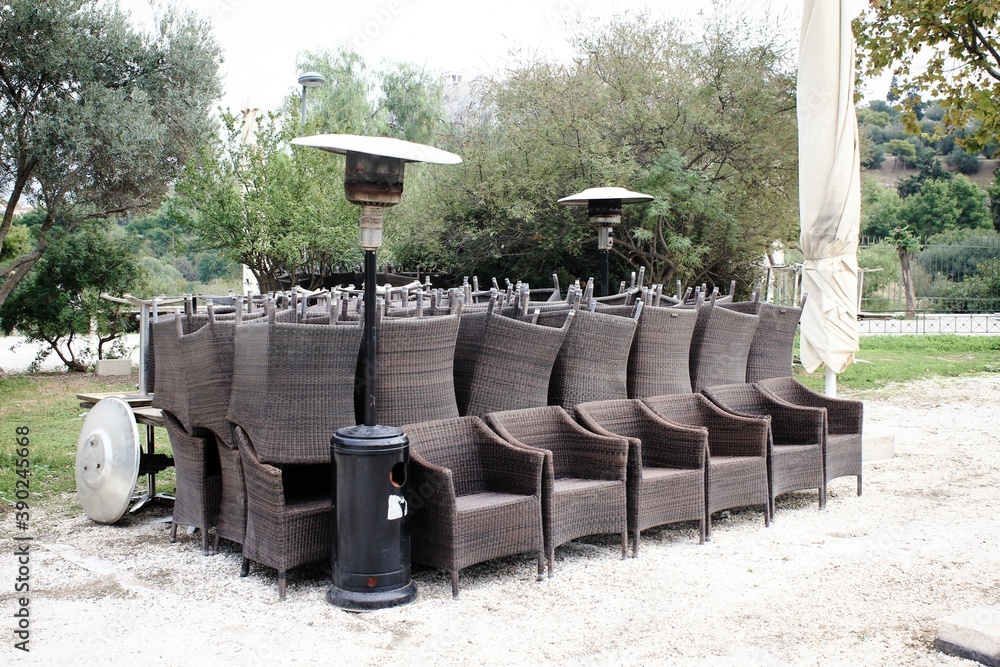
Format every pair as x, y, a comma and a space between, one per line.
371, 535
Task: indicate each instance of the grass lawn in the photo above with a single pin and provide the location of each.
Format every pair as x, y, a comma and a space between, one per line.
47, 404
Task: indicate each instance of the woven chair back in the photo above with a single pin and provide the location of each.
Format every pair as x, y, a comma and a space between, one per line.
170, 389
293, 387
415, 369
208, 356
720, 346
503, 363
592, 364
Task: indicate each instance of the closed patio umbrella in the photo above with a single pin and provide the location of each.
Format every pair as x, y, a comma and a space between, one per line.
829, 186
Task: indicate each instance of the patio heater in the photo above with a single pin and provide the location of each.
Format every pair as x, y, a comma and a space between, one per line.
371, 539
604, 209
309, 80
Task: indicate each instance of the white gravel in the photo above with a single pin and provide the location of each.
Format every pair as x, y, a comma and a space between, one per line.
861, 583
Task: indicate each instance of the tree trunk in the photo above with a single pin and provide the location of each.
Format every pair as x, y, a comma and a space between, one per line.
908, 288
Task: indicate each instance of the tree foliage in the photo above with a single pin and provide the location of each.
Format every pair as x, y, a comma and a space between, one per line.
704, 124
96, 119
946, 49
60, 300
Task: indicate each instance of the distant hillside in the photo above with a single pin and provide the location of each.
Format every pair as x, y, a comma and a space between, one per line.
886, 176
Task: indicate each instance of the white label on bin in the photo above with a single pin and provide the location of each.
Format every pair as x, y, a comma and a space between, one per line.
397, 508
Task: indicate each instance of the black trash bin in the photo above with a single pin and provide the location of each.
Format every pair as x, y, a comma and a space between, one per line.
371, 535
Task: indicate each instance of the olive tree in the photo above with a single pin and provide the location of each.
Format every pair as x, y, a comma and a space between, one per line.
96, 118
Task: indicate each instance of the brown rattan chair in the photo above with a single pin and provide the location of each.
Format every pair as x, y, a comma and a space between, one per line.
504, 364
770, 353
478, 496
592, 364
293, 387
208, 356
198, 481
583, 489
415, 369
795, 445
289, 513
736, 470
842, 429
196, 461
666, 466
659, 361
720, 345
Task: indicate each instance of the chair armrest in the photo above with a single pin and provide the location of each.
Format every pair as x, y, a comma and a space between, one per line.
670, 445
590, 455
430, 486
508, 467
795, 424
730, 434
634, 455
844, 415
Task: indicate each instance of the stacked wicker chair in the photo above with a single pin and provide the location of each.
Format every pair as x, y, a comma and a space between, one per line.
720, 346
736, 470
592, 363
795, 444
666, 467
208, 356
415, 369
503, 363
198, 478
584, 485
479, 496
659, 361
770, 353
293, 387
841, 426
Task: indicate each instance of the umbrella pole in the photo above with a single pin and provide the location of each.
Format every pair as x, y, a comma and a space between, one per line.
831, 383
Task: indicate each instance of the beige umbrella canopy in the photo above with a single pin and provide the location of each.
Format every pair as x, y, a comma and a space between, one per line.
829, 186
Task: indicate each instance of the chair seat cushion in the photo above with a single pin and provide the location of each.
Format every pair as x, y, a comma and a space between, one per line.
478, 501
572, 485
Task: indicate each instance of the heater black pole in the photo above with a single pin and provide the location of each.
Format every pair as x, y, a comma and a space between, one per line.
371, 339
604, 273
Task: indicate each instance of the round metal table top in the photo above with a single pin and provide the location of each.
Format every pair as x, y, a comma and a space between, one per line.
107, 460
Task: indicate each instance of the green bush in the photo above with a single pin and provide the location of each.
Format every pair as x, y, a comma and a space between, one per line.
963, 162
977, 293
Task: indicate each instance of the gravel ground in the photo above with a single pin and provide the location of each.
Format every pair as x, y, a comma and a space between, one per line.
861, 583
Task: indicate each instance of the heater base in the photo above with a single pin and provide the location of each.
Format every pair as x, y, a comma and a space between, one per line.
370, 601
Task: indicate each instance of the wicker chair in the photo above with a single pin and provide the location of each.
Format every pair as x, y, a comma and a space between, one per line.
198, 481
503, 363
196, 460
583, 489
289, 515
415, 371
795, 444
770, 353
208, 356
293, 387
659, 361
720, 345
736, 474
842, 428
666, 466
592, 364
479, 496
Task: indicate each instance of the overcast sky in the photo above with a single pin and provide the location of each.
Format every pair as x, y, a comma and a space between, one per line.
261, 38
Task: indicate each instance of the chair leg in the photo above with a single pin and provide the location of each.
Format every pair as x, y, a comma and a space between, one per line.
624, 544
281, 584
701, 531
822, 495
767, 515
859, 484
541, 565
635, 543
173, 532
245, 567
215, 543
454, 584
204, 542
551, 558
